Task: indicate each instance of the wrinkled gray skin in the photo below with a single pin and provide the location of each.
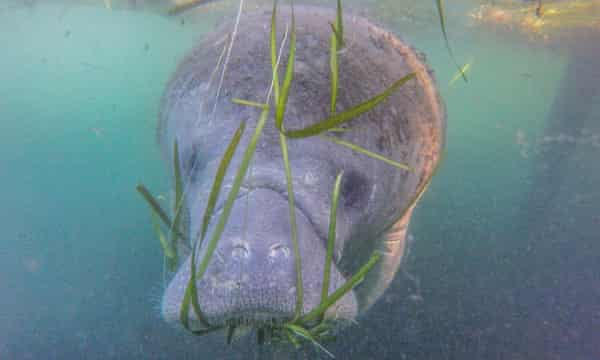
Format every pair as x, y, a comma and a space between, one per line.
251, 278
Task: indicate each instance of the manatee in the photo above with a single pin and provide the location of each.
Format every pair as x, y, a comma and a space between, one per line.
251, 279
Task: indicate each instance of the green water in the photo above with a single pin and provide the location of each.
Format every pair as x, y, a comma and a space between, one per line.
81, 270
80, 99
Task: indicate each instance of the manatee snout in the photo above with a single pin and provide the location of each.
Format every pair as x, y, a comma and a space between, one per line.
251, 279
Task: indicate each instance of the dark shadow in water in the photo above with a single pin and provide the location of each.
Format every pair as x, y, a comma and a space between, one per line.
558, 271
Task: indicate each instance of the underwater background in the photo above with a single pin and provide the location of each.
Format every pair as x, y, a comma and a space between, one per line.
505, 262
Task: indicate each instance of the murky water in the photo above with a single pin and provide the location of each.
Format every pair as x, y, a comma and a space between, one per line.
505, 258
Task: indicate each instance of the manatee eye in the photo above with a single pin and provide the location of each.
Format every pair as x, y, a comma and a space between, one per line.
355, 189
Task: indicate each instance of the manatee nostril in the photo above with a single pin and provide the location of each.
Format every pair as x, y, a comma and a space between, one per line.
240, 251
278, 250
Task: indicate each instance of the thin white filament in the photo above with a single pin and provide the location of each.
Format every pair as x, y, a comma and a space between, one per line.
227, 58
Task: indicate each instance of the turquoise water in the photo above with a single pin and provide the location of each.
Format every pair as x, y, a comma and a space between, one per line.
81, 270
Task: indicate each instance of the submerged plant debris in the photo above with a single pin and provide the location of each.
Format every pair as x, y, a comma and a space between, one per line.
441, 12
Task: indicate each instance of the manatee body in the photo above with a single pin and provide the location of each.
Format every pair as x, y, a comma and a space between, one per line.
251, 278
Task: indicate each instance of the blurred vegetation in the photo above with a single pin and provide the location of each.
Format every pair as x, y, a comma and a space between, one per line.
544, 20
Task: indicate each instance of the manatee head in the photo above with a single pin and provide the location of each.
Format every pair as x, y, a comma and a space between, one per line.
251, 279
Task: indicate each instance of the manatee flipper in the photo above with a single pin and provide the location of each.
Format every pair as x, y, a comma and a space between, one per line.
392, 247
